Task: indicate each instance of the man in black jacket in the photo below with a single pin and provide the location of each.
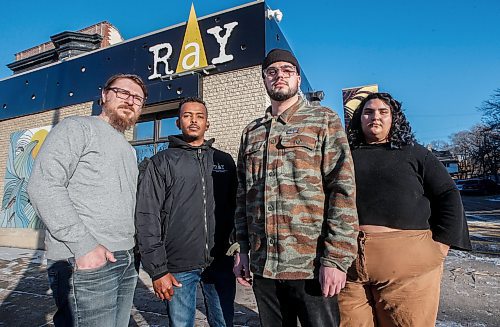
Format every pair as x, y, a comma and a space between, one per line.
186, 198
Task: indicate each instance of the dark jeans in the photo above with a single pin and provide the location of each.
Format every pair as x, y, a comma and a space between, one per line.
94, 297
281, 302
60, 274
220, 277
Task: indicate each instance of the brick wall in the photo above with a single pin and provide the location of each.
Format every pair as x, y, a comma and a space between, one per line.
109, 33
233, 100
48, 118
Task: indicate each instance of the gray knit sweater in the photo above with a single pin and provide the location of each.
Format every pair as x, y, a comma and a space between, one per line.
83, 187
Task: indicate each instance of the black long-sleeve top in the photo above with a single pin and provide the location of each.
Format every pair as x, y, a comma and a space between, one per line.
408, 188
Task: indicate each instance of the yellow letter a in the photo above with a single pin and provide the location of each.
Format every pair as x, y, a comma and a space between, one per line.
192, 53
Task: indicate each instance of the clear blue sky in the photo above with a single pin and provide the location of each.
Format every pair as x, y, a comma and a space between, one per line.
441, 58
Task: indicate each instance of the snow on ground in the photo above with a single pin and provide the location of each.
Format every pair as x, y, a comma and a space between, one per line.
454, 324
457, 255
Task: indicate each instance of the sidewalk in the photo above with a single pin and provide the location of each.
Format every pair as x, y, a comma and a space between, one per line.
25, 298
470, 294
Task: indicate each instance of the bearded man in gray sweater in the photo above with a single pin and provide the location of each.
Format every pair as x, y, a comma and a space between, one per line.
83, 187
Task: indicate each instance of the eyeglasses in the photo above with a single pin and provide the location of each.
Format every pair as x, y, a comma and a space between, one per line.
287, 70
125, 95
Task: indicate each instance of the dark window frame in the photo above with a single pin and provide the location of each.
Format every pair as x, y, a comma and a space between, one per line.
156, 117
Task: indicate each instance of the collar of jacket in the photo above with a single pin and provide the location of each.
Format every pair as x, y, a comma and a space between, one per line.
285, 115
177, 141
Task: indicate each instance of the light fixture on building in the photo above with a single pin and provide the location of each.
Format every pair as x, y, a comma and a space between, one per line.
315, 96
204, 71
276, 14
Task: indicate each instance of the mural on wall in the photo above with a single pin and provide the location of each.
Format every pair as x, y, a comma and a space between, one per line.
352, 97
16, 210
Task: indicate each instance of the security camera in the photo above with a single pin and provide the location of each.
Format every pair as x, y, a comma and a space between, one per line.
276, 14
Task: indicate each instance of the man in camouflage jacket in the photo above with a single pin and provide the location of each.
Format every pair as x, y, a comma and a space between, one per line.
296, 208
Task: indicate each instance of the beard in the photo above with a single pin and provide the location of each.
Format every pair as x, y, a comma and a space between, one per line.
121, 122
281, 94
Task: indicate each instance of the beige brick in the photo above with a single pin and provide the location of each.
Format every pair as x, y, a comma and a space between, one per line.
233, 100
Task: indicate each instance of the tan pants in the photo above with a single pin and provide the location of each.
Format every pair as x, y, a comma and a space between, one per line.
395, 281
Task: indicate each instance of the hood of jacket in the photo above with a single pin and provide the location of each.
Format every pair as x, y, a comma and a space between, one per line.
177, 141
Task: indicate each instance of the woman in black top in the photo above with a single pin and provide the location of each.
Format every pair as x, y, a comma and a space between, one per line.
410, 213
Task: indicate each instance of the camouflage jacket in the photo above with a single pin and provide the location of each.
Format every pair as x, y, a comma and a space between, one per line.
296, 206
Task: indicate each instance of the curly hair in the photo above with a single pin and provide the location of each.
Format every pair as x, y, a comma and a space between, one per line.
400, 133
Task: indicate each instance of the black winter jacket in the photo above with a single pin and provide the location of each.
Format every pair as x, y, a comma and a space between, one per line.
175, 211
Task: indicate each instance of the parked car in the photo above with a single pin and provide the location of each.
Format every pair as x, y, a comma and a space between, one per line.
476, 186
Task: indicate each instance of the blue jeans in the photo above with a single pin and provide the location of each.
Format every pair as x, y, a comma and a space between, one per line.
95, 297
182, 308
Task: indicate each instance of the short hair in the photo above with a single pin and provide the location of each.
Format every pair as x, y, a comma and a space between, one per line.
400, 133
192, 99
132, 77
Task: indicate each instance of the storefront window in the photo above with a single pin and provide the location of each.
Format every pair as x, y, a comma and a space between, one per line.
168, 127
144, 130
151, 133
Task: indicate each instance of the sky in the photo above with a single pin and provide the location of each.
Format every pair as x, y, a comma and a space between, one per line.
440, 58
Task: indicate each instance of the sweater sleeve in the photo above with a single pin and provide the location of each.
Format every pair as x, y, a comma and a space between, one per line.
47, 187
448, 223
340, 190
149, 219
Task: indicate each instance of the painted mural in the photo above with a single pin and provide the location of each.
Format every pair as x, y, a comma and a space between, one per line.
352, 97
16, 210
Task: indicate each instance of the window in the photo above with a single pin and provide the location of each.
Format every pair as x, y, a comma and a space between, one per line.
152, 130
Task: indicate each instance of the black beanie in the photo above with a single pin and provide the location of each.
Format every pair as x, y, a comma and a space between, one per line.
276, 55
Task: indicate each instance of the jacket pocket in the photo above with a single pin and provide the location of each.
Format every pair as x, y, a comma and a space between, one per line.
300, 154
298, 143
255, 161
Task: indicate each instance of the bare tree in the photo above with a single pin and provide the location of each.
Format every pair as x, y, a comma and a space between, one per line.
464, 147
478, 152
478, 149
491, 135
491, 111
440, 145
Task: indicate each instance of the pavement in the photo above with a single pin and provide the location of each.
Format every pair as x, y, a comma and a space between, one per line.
483, 218
470, 288
26, 300
469, 294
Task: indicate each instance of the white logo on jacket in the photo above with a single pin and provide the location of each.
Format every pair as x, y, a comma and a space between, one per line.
219, 168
